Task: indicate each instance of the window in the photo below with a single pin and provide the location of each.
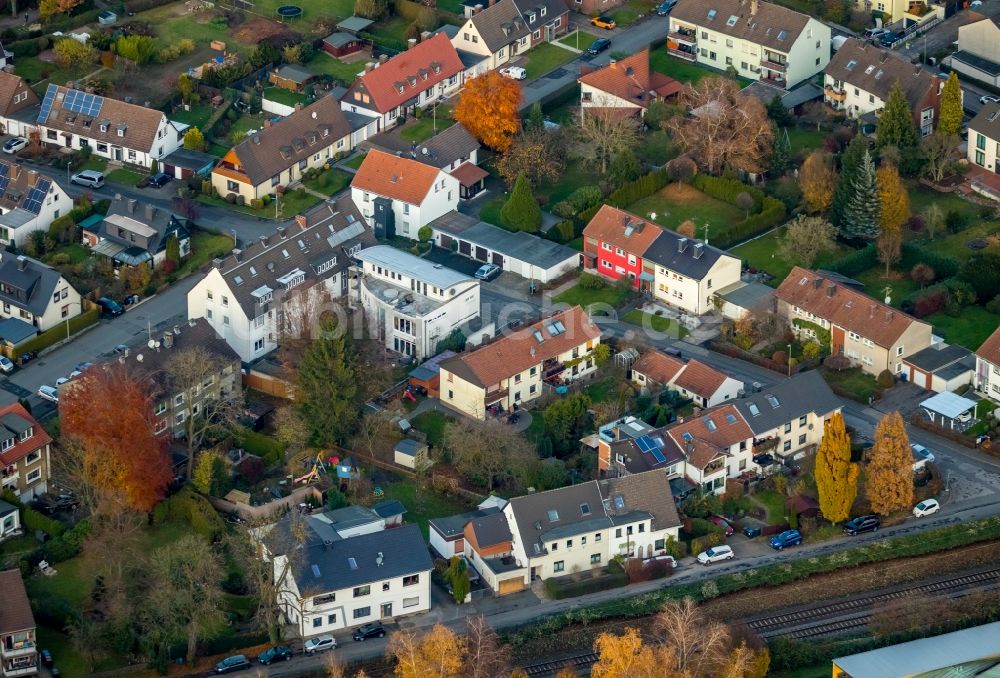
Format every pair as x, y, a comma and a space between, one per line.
317, 622
411, 602
258, 344
642, 527
559, 566
361, 612
597, 537
899, 350
385, 586
788, 445
362, 591
788, 427
569, 543
980, 158
802, 420
980, 142
225, 300
618, 533
555, 546
802, 439
225, 320
595, 558
411, 580
331, 619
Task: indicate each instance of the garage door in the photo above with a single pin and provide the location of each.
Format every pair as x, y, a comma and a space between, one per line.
446, 241
498, 259
481, 253
511, 586
465, 248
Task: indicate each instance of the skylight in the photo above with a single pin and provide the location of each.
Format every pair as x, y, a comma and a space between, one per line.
851, 64
710, 425
315, 570
869, 69
772, 401
754, 410
619, 502
352, 563
585, 509
687, 437
732, 20
711, 14
553, 515
782, 35
538, 336
731, 418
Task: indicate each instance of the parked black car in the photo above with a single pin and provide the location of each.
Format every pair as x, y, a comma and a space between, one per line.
160, 179
373, 630
862, 524
235, 663
110, 307
598, 46
274, 654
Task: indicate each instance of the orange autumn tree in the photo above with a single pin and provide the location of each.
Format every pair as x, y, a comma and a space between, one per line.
108, 415
488, 109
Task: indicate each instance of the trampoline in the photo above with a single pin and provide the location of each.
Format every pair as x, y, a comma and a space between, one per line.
289, 11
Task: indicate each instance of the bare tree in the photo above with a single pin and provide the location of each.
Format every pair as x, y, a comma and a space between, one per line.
188, 372
937, 151
815, 113
604, 130
701, 645
487, 451
373, 425
485, 658
725, 128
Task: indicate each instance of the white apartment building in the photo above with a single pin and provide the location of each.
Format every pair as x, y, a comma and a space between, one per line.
399, 195
412, 303
278, 285
760, 40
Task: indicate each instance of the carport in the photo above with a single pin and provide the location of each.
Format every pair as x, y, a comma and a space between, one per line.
948, 406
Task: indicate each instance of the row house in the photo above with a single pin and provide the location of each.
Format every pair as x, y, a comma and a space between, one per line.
759, 40
514, 369
399, 195
412, 303
872, 335
281, 153
18, 640
678, 271
505, 30
24, 453
860, 77
627, 85
703, 384
278, 284
117, 130
419, 77
29, 202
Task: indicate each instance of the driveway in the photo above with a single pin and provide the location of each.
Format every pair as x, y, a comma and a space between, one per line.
904, 398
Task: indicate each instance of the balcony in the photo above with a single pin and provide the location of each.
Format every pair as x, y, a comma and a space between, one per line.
23, 648
764, 445
21, 671
683, 37
495, 395
777, 66
834, 94
681, 54
10, 480
551, 368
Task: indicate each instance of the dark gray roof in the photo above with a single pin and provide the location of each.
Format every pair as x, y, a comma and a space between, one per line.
339, 39
491, 530
15, 423
514, 245
534, 513
389, 508
470, 59
196, 161
332, 228
163, 224
533, 14
410, 447
441, 150
26, 283
328, 524
449, 29
15, 330
354, 24
641, 493
500, 24
451, 527
987, 121
664, 251
750, 295
295, 73
6, 509
327, 567
789, 98
979, 63
804, 393
937, 356
875, 70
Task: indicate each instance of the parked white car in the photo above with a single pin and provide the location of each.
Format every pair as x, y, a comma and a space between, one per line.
921, 453
715, 554
514, 73
6, 365
318, 644
926, 507
48, 393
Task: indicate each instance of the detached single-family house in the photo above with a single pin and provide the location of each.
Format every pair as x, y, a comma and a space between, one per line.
113, 129
872, 335
416, 78
628, 84
412, 303
703, 384
515, 368
18, 643
978, 55
983, 146
759, 40
10, 521
280, 153
276, 285
508, 28
332, 581
17, 100
132, 234
399, 195
29, 202
35, 294
987, 379
24, 458
860, 77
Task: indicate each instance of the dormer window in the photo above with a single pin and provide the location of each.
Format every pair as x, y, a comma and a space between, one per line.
104, 127
543, 11
531, 17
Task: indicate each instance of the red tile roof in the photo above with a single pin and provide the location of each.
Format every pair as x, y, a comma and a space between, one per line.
622, 229
395, 177
844, 307
15, 612
700, 379
630, 79
721, 426
658, 366
517, 352
38, 439
990, 350
409, 73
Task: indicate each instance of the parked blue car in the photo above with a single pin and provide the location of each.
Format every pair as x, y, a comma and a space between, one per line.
786, 538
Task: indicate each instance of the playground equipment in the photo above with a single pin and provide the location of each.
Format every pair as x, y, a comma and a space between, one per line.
408, 394
318, 469
289, 12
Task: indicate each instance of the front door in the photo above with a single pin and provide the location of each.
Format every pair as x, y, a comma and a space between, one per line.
386, 610
118, 153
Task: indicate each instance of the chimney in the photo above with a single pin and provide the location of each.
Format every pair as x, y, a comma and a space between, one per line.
327, 543
682, 244
132, 203
22, 262
754, 6
411, 43
177, 329
889, 315
871, 313
150, 212
699, 249
301, 221
882, 56
264, 240
238, 254
217, 263
382, 58
282, 232
15, 172
425, 35
168, 340
831, 290
613, 63
298, 106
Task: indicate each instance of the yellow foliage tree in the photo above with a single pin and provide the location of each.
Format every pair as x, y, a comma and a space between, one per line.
439, 653
893, 196
625, 655
194, 140
686, 228
818, 179
890, 467
487, 107
836, 476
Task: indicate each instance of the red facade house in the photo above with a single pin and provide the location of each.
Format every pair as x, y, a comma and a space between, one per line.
614, 243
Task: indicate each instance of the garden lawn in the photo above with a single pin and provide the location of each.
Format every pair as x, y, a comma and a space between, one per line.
900, 284
546, 57
921, 198
969, 329
655, 322
324, 64
330, 182
574, 176
774, 502
205, 245
124, 176
957, 244
77, 253
418, 131
860, 385
805, 139
761, 254
94, 162
31, 69
490, 211
580, 295
196, 117
393, 28
356, 161
311, 11
679, 202
680, 70
630, 12
432, 424
580, 40
283, 96
171, 26
422, 503
294, 202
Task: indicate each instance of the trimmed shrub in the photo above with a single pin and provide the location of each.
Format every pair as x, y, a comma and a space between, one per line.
885, 379
944, 265
265, 447
591, 281
564, 587
256, 204
580, 199
856, 262
189, 507
562, 232
33, 520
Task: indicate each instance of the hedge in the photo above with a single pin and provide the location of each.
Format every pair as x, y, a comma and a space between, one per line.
565, 587
727, 190
33, 520
944, 265
189, 507
265, 447
856, 262
58, 333
767, 213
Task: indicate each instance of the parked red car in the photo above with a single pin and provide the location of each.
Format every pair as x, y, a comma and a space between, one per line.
721, 522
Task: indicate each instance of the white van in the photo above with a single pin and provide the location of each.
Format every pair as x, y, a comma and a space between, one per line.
91, 178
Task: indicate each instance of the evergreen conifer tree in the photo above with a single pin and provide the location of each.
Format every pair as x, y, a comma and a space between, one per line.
863, 211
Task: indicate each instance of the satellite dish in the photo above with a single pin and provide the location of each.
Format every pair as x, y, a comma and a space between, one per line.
151, 344
139, 358
652, 216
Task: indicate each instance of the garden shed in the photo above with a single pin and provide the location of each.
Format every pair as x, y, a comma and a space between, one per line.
410, 453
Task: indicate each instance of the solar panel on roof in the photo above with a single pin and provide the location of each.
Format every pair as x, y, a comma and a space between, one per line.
83, 102
644, 443
4, 177
50, 97
36, 196
658, 455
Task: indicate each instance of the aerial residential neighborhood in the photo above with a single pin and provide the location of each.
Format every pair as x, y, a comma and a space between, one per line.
500, 338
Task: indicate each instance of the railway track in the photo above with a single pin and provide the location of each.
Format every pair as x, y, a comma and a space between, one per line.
814, 622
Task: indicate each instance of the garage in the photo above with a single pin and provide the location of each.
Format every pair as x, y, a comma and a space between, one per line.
446, 241
508, 586
481, 254
465, 248
498, 259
